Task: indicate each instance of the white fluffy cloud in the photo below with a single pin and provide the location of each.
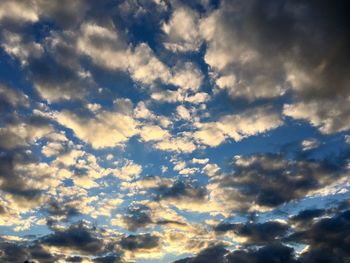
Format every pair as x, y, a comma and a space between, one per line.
153, 133
176, 144
327, 115
106, 48
105, 129
238, 126
128, 171
21, 11
182, 33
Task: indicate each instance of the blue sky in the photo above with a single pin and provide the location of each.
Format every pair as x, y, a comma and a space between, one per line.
174, 131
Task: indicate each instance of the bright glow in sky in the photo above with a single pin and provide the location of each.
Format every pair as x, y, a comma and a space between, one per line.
174, 131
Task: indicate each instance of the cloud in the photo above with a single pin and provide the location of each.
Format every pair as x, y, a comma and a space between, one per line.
78, 237
12, 252
116, 55
19, 11
182, 33
200, 161
259, 180
181, 190
113, 258
12, 98
18, 47
306, 217
255, 233
187, 76
142, 241
310, 144
284, 51
89, 90
211, 169
329, 116
23, 134
13, 181
105, 129
128, 171
139, 61
238, 126
137, 216
326, 239
210, 254
209, 134
176, 144
54, 208
153, 133
269, 253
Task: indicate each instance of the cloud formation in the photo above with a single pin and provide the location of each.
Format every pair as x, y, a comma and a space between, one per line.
174, 131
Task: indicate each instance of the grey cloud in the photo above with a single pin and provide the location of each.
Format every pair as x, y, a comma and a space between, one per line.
327, 239
142, 241
113, 258
78, 237
269, 253
181, 190
271, 47
208, 255
12, 182
306, 217
312, 34
269, 180
22, 252
55, 208
137, 216
11, 98
256, 233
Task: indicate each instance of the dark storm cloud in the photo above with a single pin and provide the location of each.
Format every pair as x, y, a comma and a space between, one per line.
283, 48
74, 259
77, 237
270, 180
328, 239
256, 233
269, 253
20, 252
208, 255
313, 34
14, 182
181, 190
306, 216
142, 241
12, 252
114, 258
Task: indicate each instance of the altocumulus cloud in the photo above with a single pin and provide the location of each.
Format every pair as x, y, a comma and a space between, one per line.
174, 131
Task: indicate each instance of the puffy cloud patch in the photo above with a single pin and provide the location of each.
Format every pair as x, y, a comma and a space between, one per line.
105, 129
238, 126
182, 32
259, 180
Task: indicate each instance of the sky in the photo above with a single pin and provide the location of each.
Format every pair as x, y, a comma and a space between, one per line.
155, 131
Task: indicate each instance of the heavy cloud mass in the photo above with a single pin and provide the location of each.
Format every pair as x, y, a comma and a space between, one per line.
175, 131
